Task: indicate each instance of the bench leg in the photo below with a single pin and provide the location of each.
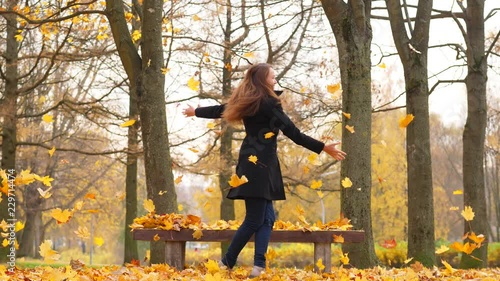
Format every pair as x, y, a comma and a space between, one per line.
323, 251
175, 254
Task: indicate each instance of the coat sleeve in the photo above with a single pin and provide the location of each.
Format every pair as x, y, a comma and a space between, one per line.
212, 112
281, 121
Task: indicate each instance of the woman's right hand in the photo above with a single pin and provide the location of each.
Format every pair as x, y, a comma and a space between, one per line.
333, 151
189, 111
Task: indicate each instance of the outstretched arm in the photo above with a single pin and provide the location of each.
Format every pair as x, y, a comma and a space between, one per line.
212, 112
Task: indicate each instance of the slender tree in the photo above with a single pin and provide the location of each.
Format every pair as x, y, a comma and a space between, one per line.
350, 23
412, 45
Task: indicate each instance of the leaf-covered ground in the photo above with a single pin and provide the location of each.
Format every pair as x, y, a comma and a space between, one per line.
210, 271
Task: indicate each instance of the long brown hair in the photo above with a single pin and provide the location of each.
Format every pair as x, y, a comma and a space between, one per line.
246, 98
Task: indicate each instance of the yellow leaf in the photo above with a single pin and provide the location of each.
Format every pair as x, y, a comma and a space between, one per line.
214, 277
129, 16
46, 180
229, 67
194, 150
320, 194
211, 125
320, 264
149, 205
136, 35
212, 266
19, 37
5, 243
156, 237
51, 151
61, 216
47, 118
454, 208
253, 159
90, 196
161, 192
347, 115
268, 135
44, 193
178, 179
78, 206
338, 238
42, 100
164, 70
345, 259
196, 18
382, 65
408, 260
249, 55
128, 123
405, 121
236, 181
449, 269
346, 182
180, 207
47, 253
98, 241
467, 213
193, 84
477, 238
82, 232
305, 169
350, 128
197, 234
19, 226
442, 249
458, 192
315, 184
332, 88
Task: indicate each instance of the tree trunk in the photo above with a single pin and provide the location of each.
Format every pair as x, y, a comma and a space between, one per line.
8, 112
158, 163
28, 246
413, 55
351, 26
474, 131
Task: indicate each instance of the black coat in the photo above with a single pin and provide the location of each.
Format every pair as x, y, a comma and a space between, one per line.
264, 178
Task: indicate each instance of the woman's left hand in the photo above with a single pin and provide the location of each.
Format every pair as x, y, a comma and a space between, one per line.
189, 111
333, 151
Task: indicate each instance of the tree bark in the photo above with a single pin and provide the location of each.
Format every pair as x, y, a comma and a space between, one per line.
157, 159
9, 108
413, 54
474, 131
351, 26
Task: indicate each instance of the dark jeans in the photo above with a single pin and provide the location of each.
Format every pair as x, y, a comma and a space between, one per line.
259, 220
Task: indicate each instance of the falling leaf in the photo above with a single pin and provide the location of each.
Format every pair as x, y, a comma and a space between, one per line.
315, 184
47, 118
82, 232
458, 192
98, 241
46, 180
156, 237
161, 192
350, 128
90, 196
346, 182
196, 18
478, 239
180, 207
347, 115
210, 189
382, 65
345, 259
44, 193
454, 208
51, 151
194, 150
312, 158
47, 253
197, 234
467, 213
128, 123
320, 265
249, 55
78, 206
19, 226
332, 88
120, 195
320, 194
300, 210
338, 238
149, 205
61, 216
448, 267
253, 159
212, 266
229, 67
164, 70
268, 135
389, 244
408, 260
136, 35
405, 121
211, 125
442, 249
178, 179
193, 84
235, 181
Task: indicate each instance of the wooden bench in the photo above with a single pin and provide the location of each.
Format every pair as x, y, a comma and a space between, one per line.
175, 249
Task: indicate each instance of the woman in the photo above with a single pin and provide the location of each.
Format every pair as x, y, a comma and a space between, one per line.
256, 104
